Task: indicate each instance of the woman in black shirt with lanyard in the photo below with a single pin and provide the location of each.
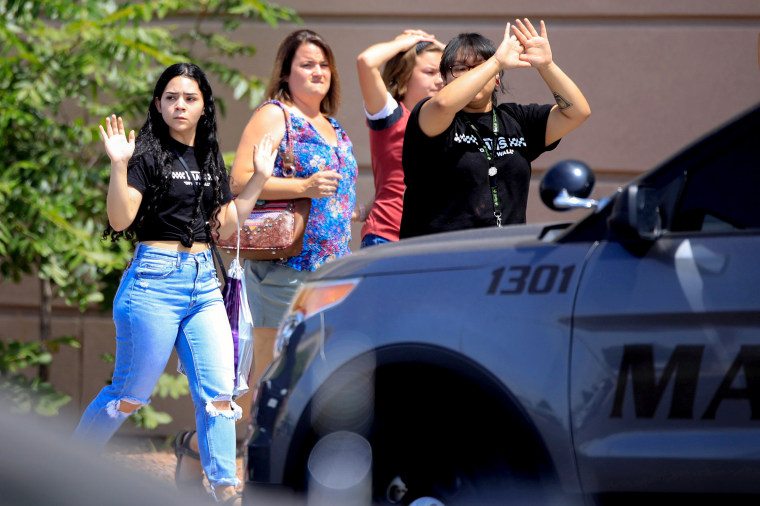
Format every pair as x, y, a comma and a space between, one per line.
172, 196
466, 159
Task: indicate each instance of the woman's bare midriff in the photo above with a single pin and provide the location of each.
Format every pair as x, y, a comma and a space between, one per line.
177, 246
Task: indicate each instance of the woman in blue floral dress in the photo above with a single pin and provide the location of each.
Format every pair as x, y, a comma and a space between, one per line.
304, 83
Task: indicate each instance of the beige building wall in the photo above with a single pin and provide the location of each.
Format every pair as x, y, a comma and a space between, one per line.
657, 75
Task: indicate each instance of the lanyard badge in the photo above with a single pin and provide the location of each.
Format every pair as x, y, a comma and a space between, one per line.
492, 170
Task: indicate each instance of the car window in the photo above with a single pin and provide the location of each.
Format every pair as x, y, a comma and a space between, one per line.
720, 194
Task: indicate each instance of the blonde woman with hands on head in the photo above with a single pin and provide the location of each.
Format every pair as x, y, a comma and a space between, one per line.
394, 76
466, 158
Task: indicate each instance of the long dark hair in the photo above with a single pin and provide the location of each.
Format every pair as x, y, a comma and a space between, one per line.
278, 88
154, 139
469, 46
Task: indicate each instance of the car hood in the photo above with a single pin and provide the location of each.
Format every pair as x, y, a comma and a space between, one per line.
466, 249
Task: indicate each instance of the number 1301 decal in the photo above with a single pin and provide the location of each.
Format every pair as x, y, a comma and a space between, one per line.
538, 280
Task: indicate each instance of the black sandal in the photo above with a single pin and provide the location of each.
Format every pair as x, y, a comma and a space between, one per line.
182, 449
235, 499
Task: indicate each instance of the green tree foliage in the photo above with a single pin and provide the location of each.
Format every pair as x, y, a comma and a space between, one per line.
65, 65
169, 385
26, 393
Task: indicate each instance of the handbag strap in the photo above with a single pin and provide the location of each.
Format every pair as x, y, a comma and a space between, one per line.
207, 226
288, 155
237, 250
219, 259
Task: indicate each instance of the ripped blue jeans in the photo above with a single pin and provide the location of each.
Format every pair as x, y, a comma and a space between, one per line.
171, 300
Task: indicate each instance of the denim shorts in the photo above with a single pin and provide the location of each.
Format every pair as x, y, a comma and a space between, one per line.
270, 288
373, 240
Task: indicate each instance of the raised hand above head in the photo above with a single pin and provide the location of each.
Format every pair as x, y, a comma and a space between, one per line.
536, 49
118, 147
509, 51
412, 37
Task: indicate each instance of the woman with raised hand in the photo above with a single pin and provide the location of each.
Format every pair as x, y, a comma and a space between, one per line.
394, 76
466, 159
169, 190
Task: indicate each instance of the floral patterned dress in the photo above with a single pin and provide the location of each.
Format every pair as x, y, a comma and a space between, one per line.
328, 231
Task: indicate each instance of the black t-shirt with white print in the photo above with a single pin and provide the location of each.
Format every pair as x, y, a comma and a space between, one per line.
175, 209
446, 176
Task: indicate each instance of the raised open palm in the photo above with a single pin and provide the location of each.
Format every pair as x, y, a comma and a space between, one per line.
537, 51
118, 147
509, 51
264, 155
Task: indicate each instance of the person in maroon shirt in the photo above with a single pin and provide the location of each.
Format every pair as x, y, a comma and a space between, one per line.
410, 72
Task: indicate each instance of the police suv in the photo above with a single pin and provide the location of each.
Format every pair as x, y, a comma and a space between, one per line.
611, 360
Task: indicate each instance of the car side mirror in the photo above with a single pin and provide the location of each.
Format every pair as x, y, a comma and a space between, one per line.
566, 185
635, 215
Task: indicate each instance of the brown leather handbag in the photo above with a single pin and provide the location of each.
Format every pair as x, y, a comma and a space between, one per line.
275, 228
